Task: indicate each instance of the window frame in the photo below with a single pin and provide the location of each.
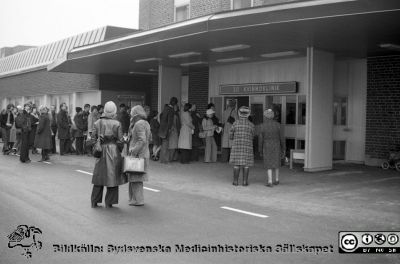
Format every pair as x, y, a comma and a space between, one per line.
251, 4
179, 6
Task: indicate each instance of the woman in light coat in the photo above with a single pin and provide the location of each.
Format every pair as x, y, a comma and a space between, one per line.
271, 146
140, 134
185, 135
210, 154
108, 168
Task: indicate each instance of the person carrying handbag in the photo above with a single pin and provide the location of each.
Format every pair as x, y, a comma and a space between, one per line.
140, 136
108, 167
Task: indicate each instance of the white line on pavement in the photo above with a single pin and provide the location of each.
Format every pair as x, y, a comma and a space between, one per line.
150, 189
243, 212
84, 172
47, 162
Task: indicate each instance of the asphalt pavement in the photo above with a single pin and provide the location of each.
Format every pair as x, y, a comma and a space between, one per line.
194, 208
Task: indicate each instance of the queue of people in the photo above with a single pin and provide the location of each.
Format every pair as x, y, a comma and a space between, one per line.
171, 136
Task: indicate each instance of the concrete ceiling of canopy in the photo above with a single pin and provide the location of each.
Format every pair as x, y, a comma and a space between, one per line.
357, 35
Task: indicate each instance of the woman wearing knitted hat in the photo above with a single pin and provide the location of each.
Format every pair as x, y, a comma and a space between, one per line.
242, 134
140, 133
271, 145
108, 168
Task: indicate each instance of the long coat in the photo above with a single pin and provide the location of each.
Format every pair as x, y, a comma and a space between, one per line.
80, 124
242, 133
34, 121
108, 168
226, 141
63, 125
196, 120
174, 133
139, 145
166, 121
185, 135
43, 133
270, 141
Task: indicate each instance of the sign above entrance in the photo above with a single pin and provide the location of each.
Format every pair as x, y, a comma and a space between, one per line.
258, 88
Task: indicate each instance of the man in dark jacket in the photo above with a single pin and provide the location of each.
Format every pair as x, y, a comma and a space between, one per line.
79, 132
53, 126
6, 123
63, 127
24, 122
166, 122
123, 118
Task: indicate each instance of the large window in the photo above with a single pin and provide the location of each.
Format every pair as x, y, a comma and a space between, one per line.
340, 111
239, 4
182, 10
288, 109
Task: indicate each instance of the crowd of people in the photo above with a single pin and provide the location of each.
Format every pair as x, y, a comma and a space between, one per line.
169, 136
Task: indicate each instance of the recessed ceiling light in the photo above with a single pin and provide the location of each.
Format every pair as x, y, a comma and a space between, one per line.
184, 55
153, 70
280, 54
233, 59
230, 48
148, 59
390, 46
193, 63
142, 73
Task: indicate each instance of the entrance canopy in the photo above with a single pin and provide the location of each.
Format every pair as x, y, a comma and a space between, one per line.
344, 27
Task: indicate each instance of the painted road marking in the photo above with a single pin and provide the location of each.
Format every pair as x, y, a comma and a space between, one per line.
84, 172
146, 188
243, 212
47, 162
150, 189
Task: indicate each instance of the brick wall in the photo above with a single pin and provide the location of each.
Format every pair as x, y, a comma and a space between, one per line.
204, 7
42, 82
383, 106
198, 89
154, 93
156, 13
144, 14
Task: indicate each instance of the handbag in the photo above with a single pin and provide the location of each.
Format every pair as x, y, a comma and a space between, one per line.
133, 164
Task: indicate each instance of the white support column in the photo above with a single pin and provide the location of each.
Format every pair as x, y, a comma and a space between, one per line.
22, 101
46, 100
169, 85
73, 104
319, 124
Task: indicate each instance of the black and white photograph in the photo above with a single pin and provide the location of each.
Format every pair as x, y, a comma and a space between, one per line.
200, 131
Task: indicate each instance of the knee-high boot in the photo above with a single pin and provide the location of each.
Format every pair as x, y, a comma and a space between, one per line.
246, 176
236, 171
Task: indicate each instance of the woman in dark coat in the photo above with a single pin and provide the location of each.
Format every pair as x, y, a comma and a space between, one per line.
43, 134
197, 142
79, 131
108, 168
35, 119
271, 145
242, 156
